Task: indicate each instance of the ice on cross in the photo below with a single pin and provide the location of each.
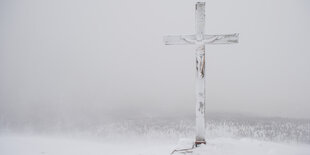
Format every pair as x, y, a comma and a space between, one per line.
200, 39
206, 39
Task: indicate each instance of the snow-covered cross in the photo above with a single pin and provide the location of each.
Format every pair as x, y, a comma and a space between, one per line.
201, 40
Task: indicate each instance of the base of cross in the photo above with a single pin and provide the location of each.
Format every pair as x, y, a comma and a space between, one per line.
197, 143
188, 147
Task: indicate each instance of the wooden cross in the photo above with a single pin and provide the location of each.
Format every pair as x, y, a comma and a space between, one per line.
201, 40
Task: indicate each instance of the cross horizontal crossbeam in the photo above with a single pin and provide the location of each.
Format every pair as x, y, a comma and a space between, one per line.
207, 39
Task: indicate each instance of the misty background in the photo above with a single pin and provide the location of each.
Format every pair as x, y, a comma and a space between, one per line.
75, 60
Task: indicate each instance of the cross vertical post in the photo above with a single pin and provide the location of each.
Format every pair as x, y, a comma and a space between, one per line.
200, 39
200, 74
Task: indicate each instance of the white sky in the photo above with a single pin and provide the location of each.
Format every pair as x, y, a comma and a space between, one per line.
93, 58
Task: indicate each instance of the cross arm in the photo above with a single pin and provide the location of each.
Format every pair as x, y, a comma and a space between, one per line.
179, 39
221, 39
207, 39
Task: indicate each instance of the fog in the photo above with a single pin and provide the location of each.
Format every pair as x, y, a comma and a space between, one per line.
99, 60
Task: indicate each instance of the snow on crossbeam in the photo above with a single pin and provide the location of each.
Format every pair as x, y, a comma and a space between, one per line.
207, 39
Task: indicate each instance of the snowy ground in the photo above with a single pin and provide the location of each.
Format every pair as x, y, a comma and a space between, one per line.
47, 145
159, 137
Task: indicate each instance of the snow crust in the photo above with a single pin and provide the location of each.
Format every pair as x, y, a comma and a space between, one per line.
224, 136
54, 145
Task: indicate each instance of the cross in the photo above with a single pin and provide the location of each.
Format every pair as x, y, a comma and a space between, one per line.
200, 39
